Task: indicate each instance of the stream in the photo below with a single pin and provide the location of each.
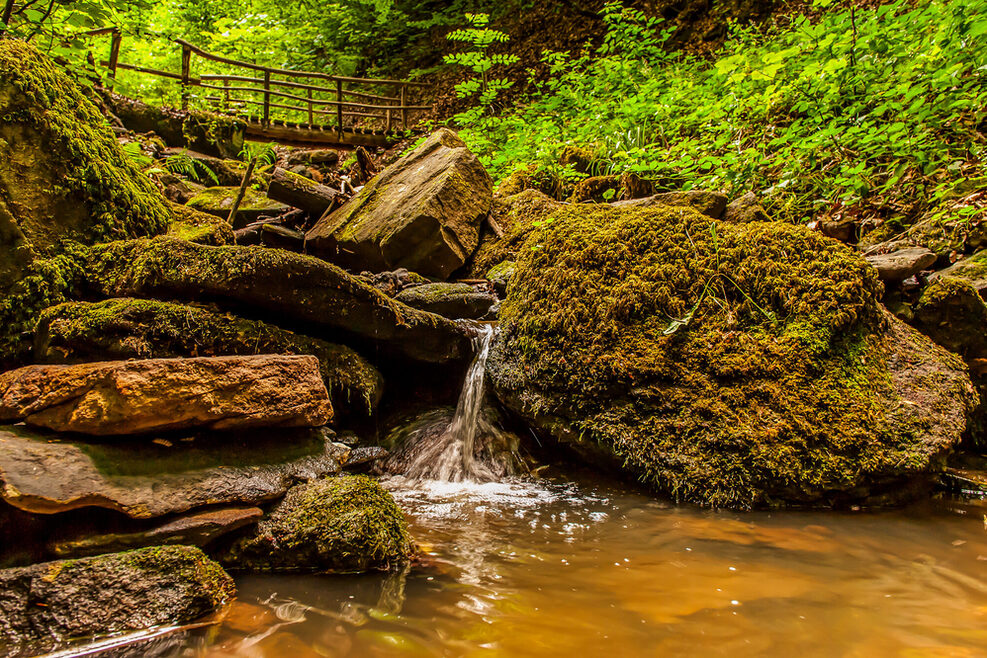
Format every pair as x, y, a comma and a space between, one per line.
575, 564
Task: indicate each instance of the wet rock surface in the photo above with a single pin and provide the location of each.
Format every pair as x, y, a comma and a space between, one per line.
45, 603
133, 397
150, 477
195, 529
343, 524
422, 213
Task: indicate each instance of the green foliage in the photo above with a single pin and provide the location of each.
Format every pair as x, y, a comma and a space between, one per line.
867, 111
482, 87
263, 154
185, 165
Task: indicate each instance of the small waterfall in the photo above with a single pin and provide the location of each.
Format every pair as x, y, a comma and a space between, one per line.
451, 454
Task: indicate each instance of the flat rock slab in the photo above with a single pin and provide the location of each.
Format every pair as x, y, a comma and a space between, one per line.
218, 201
901, 264
422, 213
134, 397
195, 529
44, 604
711, 204
148, 478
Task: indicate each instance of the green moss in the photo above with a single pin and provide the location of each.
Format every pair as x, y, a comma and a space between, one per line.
531, 177
137, 328
199, 227
726, 364
344, 524
219, 200
593, 189
39, 102
578, 157
953, 314
516, 216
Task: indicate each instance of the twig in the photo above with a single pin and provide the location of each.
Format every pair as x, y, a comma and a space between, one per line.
243, 190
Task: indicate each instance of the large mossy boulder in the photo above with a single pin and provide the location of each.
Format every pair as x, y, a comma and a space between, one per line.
149, 329
422, 213
63, 176
340, 525
298, 290
731, 365
45, 604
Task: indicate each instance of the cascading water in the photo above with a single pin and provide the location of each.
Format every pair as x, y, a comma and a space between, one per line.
449, 450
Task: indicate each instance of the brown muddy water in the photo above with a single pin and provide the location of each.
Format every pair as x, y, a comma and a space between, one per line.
589, 568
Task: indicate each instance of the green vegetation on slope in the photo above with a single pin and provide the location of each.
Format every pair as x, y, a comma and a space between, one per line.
874, 112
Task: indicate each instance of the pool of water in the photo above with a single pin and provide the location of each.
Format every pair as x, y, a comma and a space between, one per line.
543, 568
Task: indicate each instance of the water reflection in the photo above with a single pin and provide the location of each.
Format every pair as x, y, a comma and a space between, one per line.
525, 568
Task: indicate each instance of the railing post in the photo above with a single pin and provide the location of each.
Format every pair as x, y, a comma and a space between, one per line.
267, 98
186, 74
114, 55
226, 94
311, 115
404, 112
339, 107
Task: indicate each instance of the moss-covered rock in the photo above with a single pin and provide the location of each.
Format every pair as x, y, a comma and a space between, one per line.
501, 274
48, 603
532, 177
735, 365
148, 329
298, 290
450, 300
596, 188
218, 201
516, 217
340, 525
422, 213
199, 227
972, 269
952, 313
579, 158
63, 176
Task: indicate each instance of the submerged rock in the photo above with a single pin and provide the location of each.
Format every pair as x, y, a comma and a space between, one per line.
422, 213
345, 524
451, 300
296, 288
44, 604
751, 365
134, 397
195, 529
150, 329
149, 477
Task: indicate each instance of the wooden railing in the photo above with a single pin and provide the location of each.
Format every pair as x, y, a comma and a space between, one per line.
318, 99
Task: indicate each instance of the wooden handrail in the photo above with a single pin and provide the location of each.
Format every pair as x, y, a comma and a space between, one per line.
344, 102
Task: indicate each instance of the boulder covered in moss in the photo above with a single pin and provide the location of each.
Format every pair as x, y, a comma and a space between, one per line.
200, 227
218, 201
514, 218
340, 525
149, 329
422, 213
63, 176
45, 604
731, 365
450, 300
952, 313
297, 289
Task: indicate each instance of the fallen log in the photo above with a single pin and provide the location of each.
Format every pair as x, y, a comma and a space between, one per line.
300, 192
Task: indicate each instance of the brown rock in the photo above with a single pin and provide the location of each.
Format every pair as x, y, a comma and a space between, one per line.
132, 397
711, 204
145, 479
197, 529
422, 213
901, 264
744, 209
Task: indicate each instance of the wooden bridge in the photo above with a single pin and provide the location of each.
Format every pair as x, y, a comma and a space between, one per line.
287, 106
